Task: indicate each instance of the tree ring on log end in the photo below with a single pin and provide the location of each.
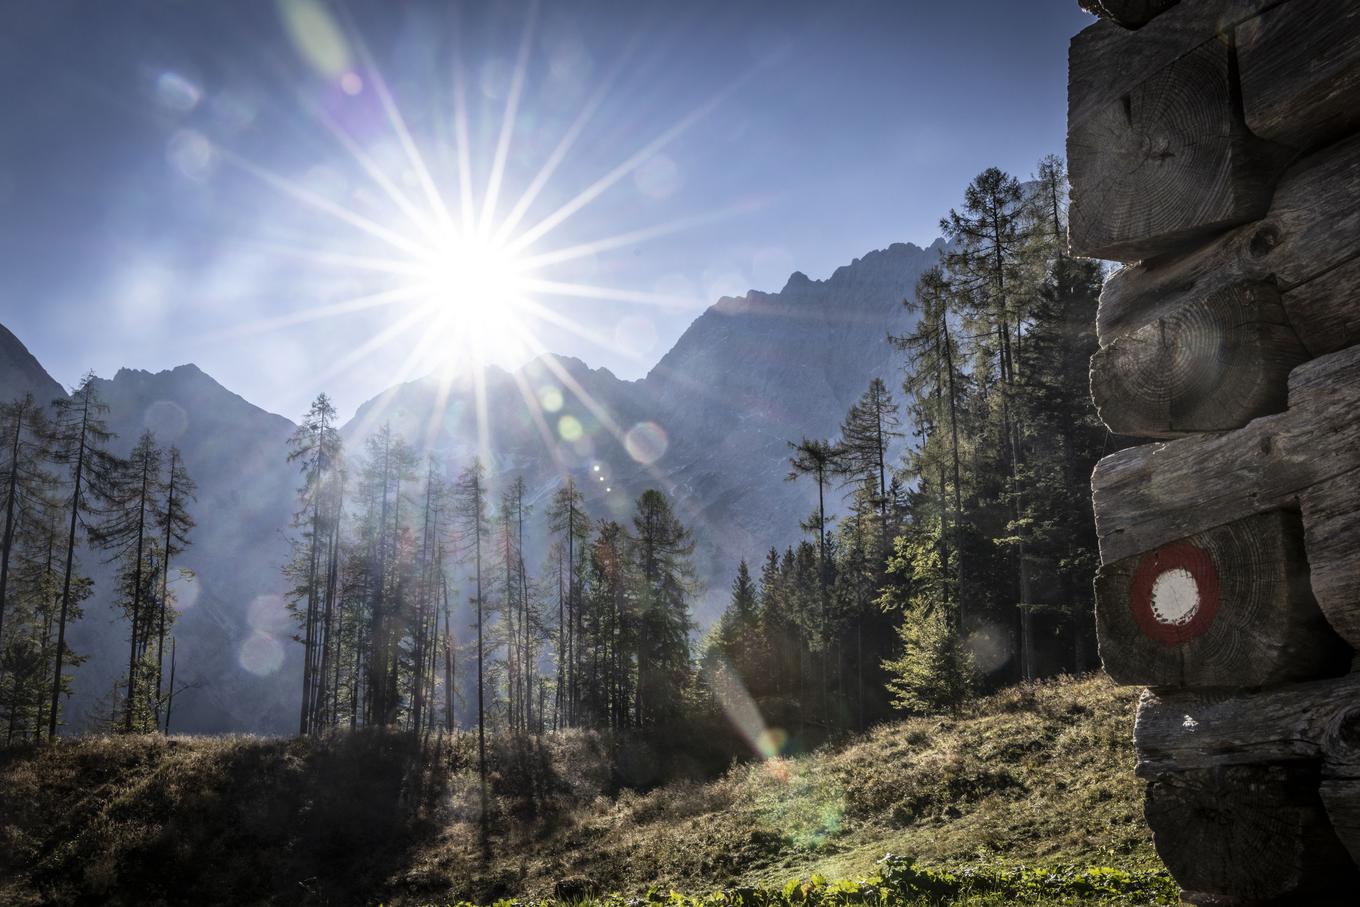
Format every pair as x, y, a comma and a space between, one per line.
1174, 593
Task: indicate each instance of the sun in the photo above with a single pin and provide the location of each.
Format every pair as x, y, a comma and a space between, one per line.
475, 297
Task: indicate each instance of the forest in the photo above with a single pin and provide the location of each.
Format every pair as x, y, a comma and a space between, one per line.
924, 578
947, 562
66, 496
962, 567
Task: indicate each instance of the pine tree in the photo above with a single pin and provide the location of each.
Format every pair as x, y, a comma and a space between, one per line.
869, 427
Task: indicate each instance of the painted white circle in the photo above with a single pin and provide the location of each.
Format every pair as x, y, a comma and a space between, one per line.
1175, 597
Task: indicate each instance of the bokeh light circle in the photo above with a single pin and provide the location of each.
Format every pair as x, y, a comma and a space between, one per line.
646, 442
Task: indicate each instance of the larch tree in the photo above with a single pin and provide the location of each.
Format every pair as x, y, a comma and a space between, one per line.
79, 442
175, 526
315, 445
569, 521
470, 492
23, 444
128, 532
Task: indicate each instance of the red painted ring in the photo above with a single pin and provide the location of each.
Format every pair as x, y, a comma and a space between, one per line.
1177, 555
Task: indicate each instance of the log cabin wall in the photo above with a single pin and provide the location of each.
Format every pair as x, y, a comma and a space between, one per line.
1214, 149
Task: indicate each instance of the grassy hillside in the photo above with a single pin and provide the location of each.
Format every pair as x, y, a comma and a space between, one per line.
1038, 775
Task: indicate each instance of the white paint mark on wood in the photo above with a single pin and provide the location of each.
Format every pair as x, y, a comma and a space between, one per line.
1175, 597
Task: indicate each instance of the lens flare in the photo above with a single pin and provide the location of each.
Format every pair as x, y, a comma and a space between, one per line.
646, 442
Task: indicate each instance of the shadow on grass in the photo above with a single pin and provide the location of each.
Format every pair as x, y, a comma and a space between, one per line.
222, 820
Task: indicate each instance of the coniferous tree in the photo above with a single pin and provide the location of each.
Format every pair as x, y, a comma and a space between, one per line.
316, 446
175, 526
568, 520
472, 523
23, 430
127, 532
79, 442
664, 549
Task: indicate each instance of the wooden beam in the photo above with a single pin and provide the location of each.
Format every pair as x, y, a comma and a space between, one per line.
1307, 456
1311, 230
1128, 13
1106, 61
1230, 607
1331, 513
1324, 310
1300, 69
1168, 161
1315, 725
1248, 834
1147, 496
1178, 730
1214, 364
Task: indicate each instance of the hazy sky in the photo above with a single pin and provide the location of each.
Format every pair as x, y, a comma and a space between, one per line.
199, 181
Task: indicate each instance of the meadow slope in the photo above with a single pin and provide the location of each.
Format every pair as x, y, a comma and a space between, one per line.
1038, 775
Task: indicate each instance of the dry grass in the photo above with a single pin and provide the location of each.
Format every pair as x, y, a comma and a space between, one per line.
1035, 774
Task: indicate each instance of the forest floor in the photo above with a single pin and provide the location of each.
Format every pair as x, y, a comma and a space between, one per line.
1033, 783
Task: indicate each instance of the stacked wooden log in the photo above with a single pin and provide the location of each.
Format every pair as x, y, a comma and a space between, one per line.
1214, 148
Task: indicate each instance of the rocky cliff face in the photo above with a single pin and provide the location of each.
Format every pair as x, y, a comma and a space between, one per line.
21, 374
710, 424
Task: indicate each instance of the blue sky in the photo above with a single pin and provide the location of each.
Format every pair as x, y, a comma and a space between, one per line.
172, 192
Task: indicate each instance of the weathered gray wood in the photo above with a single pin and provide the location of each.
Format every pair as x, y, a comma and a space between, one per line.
1325, 311
1309, 724
1106, 61
1312, 227
1128, 13
1300, 72
1166, 162
1146, 496
1239, 614
1179, 730
1331, 511
1214, 364
1248, 834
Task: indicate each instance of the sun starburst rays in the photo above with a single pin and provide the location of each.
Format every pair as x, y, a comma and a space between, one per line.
467, 287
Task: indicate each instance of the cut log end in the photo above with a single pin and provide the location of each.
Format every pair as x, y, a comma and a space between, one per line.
1230, 607
1225, 769
1168, 162
1248, 834
1214, 364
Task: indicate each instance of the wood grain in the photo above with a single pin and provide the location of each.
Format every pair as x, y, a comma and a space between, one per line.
1289, 755
1178, 730
1311, 230
1166, 162
1146, 496
1331, 512
1106, 61
1214, 364
1248, 834
1265, 626
1300, 72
